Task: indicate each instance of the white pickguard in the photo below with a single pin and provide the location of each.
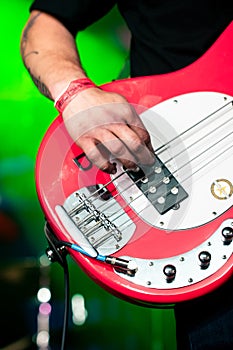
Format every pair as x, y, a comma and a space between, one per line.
198, 158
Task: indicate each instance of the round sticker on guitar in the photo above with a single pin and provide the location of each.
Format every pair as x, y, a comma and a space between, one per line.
221, 189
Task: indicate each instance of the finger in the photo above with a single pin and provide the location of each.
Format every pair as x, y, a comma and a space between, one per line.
117, 148
98, 155
136, 125
137, 141
144, 137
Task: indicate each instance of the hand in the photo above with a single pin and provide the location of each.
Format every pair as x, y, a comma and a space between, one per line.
107, 127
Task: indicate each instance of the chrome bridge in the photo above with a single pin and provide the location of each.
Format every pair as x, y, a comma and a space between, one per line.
96, 221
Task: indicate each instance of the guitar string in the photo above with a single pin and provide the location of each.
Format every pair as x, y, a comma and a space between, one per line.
184, 180
175, 156
121, 227
86, 218
159, 149
205, 136
195, 172
75, 209
161, 182
206, 150
72, 212
109, 234
182, 166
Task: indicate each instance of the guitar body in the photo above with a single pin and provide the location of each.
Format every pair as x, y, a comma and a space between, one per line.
176, 225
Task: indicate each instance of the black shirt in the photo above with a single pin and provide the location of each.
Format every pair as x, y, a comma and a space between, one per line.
166, 34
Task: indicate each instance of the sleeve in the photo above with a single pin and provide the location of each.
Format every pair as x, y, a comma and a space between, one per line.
75, 15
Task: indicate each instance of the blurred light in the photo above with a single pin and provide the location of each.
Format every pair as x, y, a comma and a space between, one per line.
44, 260
79, 313
43, 295
42, 339
45, 309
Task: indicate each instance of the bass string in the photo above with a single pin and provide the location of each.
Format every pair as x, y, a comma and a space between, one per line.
97, 191
174, 172
163, 147
200, 139
106, 206
204, 152
72, 212
121, 212
136, 215
184, 165
183, 181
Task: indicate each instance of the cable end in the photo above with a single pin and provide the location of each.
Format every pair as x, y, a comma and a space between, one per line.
121, 265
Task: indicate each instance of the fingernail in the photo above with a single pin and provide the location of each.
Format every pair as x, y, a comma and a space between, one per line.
110, 168
114, 168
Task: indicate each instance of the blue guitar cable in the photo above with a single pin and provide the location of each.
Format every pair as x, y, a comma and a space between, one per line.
123, 265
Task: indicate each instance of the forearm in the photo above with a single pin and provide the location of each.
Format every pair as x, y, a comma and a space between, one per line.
50, 55
93, 117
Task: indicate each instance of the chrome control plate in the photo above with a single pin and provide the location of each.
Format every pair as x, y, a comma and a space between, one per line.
150, 272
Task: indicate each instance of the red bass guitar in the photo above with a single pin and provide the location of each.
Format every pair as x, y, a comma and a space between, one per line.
164, 235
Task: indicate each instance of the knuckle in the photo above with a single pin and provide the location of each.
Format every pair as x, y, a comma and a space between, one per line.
118, 149
138, 146
145, 137
127, 111
91, 157
92, 153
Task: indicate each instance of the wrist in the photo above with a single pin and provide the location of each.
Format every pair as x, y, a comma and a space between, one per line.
75, 87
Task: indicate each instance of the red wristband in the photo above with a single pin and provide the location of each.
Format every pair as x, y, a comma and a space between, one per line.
75, 87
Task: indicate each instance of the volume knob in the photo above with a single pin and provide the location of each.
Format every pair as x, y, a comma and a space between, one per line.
204, 258
227, 234
169, 272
